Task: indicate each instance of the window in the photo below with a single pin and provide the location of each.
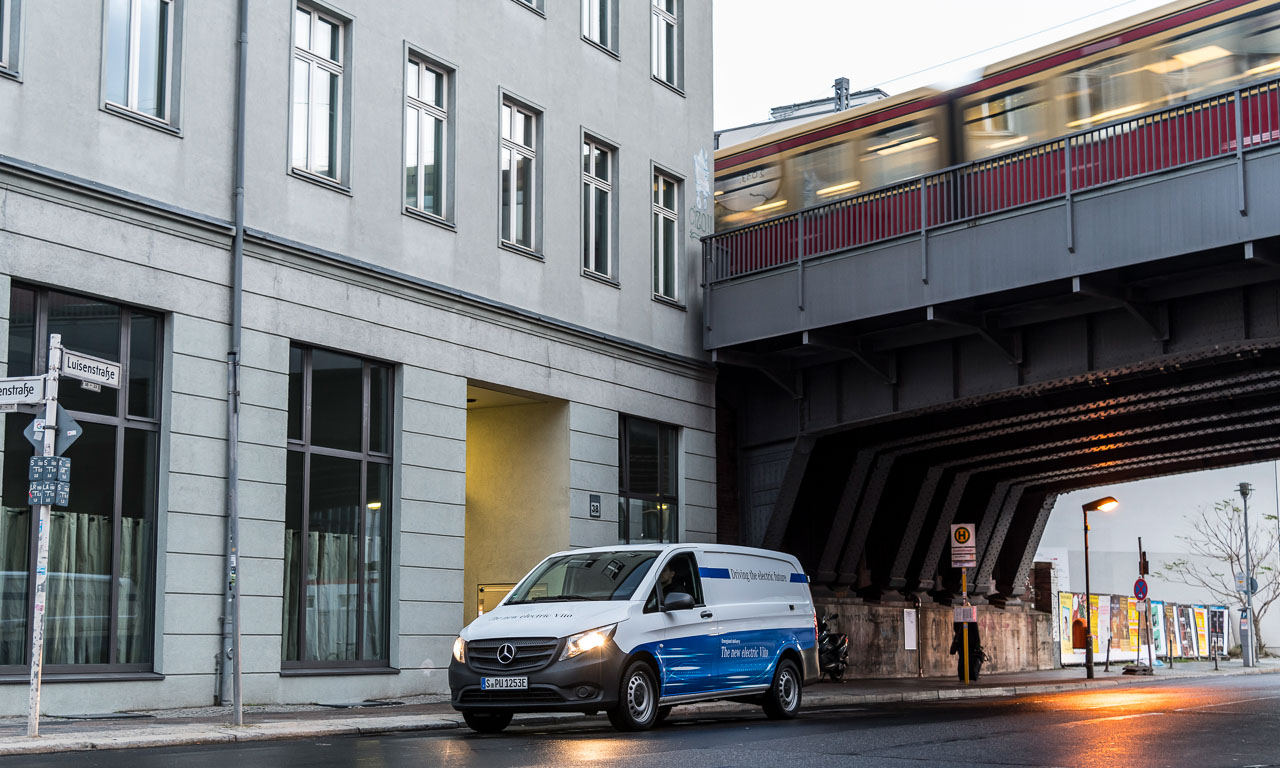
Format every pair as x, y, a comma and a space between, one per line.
100, 587
679, 574
598, 22
518, 175
597, 211
648, 509
666, 237
534, 4
666, 42
139, 56
337, 511
425, 137
318, 65
9, 37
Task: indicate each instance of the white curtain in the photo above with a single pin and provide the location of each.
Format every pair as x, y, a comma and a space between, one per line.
330, 596
14, 531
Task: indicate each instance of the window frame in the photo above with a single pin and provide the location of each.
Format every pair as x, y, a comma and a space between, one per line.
10, 39
365, 456
506, 145
592, 183
534, 5
121, 423
171, 66
341, 168
625, 494
659, 16
610, 10
657, 211
445, 154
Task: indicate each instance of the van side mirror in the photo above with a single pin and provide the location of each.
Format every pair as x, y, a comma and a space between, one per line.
676, 601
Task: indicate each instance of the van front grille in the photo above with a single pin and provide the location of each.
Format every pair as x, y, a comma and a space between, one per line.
531, 696
531, 653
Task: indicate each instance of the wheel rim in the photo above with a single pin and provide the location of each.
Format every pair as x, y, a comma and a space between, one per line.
788, 691
639, 697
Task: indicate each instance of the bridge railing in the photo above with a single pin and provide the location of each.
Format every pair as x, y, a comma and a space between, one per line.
1221, 125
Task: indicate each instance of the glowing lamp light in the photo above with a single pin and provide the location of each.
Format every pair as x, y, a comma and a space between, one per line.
374, 505
1105, 504
838, 188
770, 206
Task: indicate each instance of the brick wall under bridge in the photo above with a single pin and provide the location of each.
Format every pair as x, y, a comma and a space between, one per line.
1017, 638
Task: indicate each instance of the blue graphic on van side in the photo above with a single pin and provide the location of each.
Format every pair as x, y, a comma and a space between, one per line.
723, 573
712, 663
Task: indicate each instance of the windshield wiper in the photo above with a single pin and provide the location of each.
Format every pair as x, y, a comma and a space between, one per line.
558, 599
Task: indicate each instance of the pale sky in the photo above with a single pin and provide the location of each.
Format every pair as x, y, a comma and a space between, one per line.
767, 57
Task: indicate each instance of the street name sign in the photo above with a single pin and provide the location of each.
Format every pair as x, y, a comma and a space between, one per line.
964, 546
91, 369
21, 390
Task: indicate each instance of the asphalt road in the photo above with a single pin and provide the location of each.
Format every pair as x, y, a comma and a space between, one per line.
1217, 722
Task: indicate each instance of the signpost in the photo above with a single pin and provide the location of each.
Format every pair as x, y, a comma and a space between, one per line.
964, 555
1140, 589
49, 472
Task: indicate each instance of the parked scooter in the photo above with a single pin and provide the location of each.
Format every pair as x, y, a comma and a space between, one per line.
833, 649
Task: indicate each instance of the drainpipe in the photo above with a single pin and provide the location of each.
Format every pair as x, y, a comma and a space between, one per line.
231, 612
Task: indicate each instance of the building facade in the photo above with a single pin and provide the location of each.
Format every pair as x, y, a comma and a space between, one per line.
471, 324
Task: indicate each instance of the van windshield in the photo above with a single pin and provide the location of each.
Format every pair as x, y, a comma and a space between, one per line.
588, 576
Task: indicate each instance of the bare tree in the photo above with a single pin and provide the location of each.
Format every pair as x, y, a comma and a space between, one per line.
1215, 552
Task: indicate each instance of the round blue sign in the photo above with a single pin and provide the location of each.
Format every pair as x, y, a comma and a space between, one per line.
1140, 589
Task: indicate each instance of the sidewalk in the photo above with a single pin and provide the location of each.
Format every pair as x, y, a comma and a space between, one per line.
432, 712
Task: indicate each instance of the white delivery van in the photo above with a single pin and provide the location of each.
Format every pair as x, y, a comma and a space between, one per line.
635, 630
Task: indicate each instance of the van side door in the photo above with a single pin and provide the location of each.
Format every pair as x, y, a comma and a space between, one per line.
689, 651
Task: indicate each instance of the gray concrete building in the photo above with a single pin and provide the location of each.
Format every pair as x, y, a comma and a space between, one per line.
471, 324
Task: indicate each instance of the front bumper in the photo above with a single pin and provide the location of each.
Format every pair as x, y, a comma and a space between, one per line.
586, 683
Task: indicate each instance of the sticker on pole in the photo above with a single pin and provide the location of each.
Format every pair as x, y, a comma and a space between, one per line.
965, 614
964, 546
1140, 589
91, 369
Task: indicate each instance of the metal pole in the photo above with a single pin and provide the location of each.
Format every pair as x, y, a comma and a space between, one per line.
1088, 606
50, 436
964, 625
1251, 658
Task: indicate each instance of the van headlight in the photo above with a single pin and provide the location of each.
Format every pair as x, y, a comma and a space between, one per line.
460, 650
587, 641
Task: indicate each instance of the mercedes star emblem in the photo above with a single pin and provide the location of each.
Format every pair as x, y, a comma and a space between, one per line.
506, 653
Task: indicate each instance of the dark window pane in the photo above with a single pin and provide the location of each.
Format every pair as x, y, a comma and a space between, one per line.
22, 332
295, 393
294, 487
376, 560
15, 528
78, 608
137, 531
142, 365
642, 461
670, 457
336, 401
379, 408
92, 327
332, 547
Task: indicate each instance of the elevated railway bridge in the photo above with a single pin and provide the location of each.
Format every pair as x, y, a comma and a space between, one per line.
967, 345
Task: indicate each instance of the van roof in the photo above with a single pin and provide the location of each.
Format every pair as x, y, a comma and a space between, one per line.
726, 548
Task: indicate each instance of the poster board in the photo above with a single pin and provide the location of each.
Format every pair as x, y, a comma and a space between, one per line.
1202, 630
1158, 629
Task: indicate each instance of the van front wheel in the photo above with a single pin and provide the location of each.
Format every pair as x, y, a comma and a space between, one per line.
487, 722
637, 707
782, 700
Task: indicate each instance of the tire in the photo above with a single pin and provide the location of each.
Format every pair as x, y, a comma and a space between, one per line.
637, 707
663, 712
837, 673
782, 700
487, 722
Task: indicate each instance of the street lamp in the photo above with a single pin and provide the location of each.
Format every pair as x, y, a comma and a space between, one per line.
1247, 652
1104, 504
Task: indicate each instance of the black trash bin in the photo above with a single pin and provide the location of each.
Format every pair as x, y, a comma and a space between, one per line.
976, 654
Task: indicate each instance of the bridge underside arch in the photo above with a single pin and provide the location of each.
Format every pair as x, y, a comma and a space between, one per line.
889, 430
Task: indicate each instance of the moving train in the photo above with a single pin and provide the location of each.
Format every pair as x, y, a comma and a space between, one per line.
1175, 53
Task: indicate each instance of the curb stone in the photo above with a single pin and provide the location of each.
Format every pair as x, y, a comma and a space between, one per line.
180, 735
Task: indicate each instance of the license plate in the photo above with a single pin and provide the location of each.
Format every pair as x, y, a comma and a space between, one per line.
504, 683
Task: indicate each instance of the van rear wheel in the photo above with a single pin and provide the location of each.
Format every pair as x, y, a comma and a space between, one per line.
487, 722
637, 707
782, 700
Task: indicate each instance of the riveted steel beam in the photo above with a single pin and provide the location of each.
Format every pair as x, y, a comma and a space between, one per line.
792, 478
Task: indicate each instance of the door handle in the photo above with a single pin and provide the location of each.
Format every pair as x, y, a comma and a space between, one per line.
705, 614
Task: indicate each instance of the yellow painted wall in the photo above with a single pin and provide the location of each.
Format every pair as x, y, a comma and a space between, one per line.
517, 492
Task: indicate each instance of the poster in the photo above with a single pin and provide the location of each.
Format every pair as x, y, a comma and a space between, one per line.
1202, 630
909, 628
1186, 632
1100, 618
1157, 629
1067, 615
1134, 636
